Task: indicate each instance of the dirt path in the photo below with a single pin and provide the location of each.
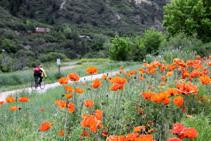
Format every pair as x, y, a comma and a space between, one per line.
4, 95
68, 67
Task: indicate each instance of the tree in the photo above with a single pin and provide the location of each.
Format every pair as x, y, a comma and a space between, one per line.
120, 48
151, 41
192, 17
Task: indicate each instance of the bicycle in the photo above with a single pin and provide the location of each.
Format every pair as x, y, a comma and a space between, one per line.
35, 85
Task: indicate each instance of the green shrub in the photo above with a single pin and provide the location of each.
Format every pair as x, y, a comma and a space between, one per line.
184, 43
8, 44
135, 48
151, 41
6, 63
204, 49
138, 52
181, 41
120, 48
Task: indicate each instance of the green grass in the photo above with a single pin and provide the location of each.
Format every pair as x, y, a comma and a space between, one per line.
23, 125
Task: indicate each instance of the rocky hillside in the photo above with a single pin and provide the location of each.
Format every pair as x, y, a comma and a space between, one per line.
119, 15
78, 28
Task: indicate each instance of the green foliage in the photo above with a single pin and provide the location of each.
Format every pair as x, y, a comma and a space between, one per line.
51, 56
202, 125
120, 49
136, 48
151, 40
8, 45
184, 46
188, 16
204, 49
181, 41
6, 63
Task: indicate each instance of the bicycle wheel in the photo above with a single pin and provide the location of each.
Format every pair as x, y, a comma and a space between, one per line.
42, 85
33, 85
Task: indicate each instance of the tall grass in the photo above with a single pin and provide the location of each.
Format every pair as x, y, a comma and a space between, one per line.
23, 125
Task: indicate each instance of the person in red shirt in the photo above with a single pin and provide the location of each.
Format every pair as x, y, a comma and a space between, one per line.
39, 74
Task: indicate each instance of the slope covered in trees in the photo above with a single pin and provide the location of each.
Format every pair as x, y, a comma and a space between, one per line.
78, 28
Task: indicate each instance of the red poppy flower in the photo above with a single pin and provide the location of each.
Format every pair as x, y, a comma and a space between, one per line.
69, 89
71, 107
91, 70
63, 80
23, 99
88, 103
73, 76
61, 104
178, 101
79, 90
10, 99
205, 80
45, 126
99, 114
96, 83
177, 128
14, 108
68, 96
190, 133
170, 73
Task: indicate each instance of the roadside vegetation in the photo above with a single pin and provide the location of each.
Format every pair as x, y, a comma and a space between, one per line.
23, 79
152, 102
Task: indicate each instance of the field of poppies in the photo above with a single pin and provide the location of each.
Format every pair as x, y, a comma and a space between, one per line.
155, 102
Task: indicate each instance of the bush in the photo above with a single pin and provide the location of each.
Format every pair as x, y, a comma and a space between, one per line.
138, 52
135, 48
6, 63
204, 49
185, 44
120, 48
181, 41
8, 44
151, 41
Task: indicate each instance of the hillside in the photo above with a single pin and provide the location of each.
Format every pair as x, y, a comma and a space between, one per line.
115, 14
78, 28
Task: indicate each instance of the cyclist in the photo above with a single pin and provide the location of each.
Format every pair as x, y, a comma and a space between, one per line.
39, 74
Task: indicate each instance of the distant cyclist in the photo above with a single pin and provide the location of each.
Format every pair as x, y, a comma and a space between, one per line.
39, 74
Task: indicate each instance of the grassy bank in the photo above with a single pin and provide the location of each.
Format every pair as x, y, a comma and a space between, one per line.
147, 99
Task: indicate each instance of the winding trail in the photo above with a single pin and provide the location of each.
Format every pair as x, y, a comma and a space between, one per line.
4, 95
